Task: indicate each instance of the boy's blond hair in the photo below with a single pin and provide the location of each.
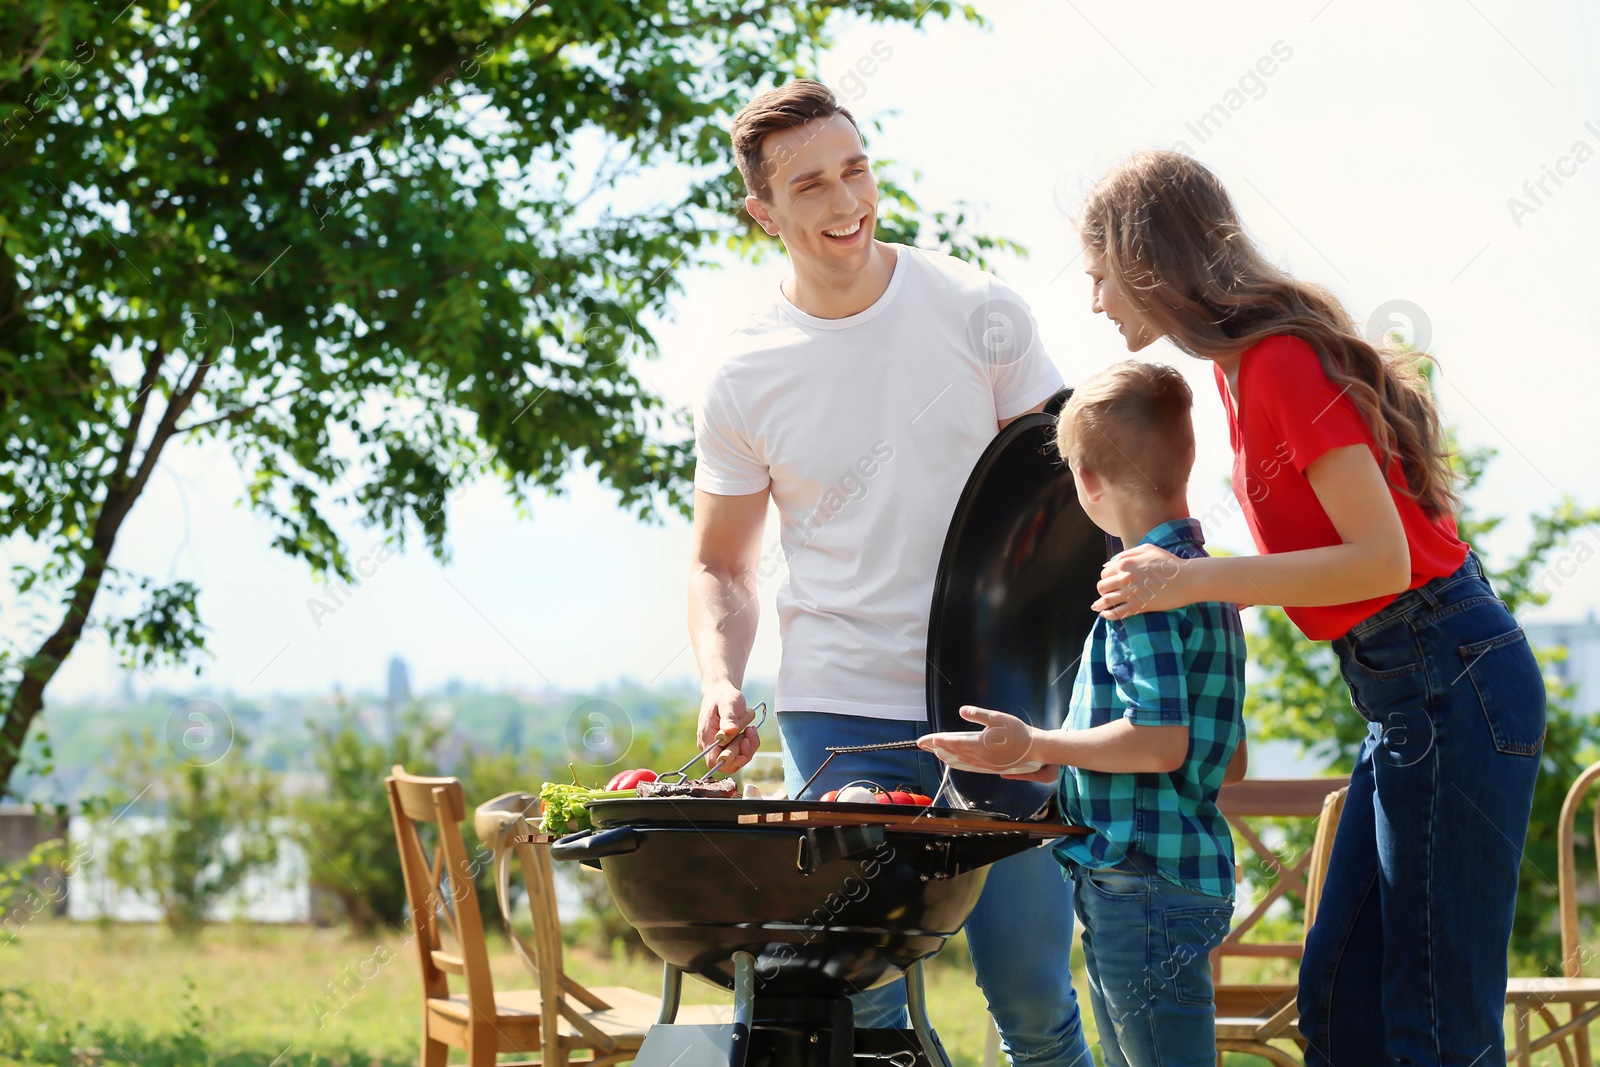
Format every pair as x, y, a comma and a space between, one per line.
1130, 425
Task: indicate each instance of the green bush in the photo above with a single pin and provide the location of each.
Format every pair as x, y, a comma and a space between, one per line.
356, 859
216, 827
20, 900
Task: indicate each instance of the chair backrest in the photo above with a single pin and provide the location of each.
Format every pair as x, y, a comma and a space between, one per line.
1322, 851
506, 827
1280, 798
1572, 954
440, 888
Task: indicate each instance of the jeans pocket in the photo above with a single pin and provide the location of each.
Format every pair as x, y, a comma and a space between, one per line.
1191, 935
1389, 649
1113, 884
1399, 701
1510, 690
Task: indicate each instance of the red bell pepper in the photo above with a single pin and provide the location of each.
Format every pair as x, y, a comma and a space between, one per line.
630, 779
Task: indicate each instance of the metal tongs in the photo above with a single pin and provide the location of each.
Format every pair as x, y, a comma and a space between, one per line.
682, 773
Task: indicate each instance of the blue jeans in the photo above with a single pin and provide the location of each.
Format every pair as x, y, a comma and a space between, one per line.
1147, 943
1406, 962
1020, 933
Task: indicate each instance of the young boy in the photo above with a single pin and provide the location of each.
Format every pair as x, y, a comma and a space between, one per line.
1153, 731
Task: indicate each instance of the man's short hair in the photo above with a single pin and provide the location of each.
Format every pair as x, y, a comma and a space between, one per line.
774, 111
1130, 425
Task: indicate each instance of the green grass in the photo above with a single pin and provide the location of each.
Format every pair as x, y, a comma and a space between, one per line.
80, 995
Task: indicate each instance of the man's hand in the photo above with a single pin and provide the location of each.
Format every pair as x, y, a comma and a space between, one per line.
1000, 747
723, 712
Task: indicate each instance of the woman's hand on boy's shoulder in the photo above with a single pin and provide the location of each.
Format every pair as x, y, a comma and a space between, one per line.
1141, 579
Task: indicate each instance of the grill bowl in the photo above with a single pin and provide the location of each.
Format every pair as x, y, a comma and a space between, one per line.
826, 912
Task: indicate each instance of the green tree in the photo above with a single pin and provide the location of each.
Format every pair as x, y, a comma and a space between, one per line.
379, 250
1299, 696
216, 824
356, 859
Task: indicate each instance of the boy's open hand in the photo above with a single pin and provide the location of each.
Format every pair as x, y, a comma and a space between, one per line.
1048, 773
1001, 747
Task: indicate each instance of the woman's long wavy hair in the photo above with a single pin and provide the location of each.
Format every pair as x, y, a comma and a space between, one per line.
1168, 232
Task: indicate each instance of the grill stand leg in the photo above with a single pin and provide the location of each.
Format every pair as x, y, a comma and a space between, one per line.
917, 1009
744, 1006
671, 992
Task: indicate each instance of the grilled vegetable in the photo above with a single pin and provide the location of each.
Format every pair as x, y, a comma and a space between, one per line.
631, 779
566, 807
904, 796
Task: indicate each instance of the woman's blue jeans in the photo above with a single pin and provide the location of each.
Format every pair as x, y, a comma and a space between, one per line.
1020, 933
1406, 963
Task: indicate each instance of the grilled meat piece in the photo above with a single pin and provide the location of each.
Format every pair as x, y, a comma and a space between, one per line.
725, 789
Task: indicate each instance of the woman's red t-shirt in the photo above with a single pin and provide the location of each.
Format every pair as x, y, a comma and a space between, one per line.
1289, 414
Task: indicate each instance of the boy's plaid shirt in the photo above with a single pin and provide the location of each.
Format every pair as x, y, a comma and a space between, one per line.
1183, 667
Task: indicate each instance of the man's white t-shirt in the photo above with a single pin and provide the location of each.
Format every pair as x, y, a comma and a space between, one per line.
867, 428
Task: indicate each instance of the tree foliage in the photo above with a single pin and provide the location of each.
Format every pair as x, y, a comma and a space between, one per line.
377, 250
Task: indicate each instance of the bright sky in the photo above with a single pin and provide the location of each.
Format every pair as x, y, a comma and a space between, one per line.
1377, 156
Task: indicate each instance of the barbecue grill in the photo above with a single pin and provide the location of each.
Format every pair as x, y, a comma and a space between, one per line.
796, 905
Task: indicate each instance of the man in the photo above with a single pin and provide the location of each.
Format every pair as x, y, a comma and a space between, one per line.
858, 401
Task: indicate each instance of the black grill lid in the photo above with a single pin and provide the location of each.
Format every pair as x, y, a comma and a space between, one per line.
1011, 599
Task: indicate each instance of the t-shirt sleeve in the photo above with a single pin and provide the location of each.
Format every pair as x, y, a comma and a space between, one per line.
1310, 413
725, 463
1006, 337
1145, 658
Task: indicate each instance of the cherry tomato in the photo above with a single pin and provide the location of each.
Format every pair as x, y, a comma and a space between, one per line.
897, 796
920, 800
830, 796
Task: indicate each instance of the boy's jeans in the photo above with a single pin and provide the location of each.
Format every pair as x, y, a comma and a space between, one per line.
1020, 934
1406, 963
1147, 943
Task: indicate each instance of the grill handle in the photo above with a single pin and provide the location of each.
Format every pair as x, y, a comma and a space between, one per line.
588, 847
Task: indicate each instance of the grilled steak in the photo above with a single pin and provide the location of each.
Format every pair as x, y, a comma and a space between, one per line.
725, 789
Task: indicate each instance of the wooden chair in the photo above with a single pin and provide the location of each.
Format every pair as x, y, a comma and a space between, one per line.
1250, 1016
610, 1022
1527, 997
442, 897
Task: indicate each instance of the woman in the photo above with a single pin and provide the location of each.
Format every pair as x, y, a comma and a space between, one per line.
1343, 475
